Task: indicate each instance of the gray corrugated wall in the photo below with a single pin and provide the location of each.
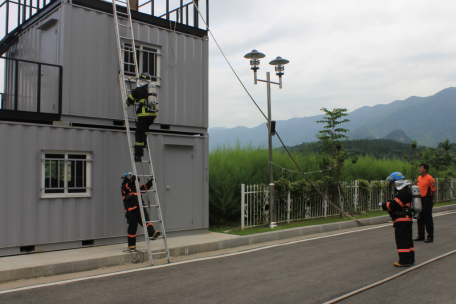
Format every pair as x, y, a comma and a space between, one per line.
91, 66
26, 219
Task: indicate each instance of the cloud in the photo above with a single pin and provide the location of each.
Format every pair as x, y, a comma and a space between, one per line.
343, 54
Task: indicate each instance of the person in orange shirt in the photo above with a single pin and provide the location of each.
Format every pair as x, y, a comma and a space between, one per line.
427, 189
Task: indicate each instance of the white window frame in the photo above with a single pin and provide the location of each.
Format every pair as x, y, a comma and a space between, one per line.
88, 174
140, 46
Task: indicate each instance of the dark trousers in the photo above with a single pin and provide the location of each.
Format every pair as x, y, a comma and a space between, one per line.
404, 242
142, 128
133, 219
425, 220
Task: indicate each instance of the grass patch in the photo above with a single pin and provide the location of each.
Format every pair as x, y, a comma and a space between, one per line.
444, 203
301, 223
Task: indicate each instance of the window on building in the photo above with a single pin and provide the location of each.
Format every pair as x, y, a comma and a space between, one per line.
147, 58
66, 174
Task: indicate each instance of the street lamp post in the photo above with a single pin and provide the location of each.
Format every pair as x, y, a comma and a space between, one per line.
279, 63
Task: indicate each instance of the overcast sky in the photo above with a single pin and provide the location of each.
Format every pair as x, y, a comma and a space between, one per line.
343, 54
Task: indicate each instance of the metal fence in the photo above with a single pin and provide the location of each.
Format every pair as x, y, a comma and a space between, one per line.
356, 196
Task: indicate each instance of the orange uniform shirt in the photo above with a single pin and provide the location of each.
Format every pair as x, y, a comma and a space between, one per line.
426, 182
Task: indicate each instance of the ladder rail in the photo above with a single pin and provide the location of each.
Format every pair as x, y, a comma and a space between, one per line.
157, 201
123, 90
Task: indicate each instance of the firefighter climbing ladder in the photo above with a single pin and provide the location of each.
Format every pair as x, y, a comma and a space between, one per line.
123, 25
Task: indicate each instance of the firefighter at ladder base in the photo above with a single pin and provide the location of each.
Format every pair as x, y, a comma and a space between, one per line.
132, 212
400, 211
146, 112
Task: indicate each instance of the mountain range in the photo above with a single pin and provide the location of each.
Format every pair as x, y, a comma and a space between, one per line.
428, 120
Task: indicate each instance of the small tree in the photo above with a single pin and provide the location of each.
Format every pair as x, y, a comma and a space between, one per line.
331, 135
413, 160
447, 162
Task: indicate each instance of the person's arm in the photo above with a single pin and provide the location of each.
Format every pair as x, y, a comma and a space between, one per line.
392, 205
130, 100
432, 185
147, 185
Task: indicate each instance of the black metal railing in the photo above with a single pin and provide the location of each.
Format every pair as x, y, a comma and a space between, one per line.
185, 14
18, 11
11, 96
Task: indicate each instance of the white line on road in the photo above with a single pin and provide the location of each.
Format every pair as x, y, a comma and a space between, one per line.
200, 259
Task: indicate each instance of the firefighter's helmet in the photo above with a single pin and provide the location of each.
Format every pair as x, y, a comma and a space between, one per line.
127, 175
145, 76
394, 177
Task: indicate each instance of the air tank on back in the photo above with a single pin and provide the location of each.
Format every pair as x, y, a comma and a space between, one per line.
416, 199
152, 99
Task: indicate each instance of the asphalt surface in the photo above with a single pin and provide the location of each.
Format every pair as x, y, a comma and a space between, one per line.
312, 271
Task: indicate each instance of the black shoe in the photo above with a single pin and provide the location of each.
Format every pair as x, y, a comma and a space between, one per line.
138, 159
155, 236
418, 239
429, 240
397, 264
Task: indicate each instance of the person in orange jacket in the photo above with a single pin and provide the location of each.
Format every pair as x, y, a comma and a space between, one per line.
427, 190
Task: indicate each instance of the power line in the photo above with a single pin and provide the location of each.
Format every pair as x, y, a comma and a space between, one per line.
289, 170
277, 133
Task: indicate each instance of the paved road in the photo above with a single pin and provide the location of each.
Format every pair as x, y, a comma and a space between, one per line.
312, 271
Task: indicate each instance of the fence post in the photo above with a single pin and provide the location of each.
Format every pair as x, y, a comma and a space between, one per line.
437, 188
288, 204
326, 206
242, 206
356, 195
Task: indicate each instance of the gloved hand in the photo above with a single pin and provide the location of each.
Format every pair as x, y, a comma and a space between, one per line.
130, 100
133, 178
149, 184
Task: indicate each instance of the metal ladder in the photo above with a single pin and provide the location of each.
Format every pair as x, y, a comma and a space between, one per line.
128, 29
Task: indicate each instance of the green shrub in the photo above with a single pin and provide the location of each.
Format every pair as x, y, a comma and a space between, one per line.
231, 166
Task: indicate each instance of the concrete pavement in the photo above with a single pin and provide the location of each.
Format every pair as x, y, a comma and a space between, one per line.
307, 270
28, 266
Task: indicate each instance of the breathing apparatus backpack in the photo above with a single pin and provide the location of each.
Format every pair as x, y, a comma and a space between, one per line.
149, 93
416, 200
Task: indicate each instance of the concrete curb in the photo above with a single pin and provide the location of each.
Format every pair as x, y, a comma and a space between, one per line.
236, 241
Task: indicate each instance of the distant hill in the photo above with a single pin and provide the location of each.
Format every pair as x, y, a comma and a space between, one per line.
398, 135
428, 120
379, 148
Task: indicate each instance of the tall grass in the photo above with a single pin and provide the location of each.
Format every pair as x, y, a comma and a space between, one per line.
231, 166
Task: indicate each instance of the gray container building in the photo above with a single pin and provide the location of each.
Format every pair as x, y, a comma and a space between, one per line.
64, 145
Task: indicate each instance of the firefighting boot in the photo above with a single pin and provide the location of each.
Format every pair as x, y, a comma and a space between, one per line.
155, 235
138, 153
132, 248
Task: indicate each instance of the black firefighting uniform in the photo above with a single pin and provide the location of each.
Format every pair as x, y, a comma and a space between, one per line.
132, 212
145, 116
400, 212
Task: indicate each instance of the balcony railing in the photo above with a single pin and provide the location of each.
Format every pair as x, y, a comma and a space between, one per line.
16, 12
30, 87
